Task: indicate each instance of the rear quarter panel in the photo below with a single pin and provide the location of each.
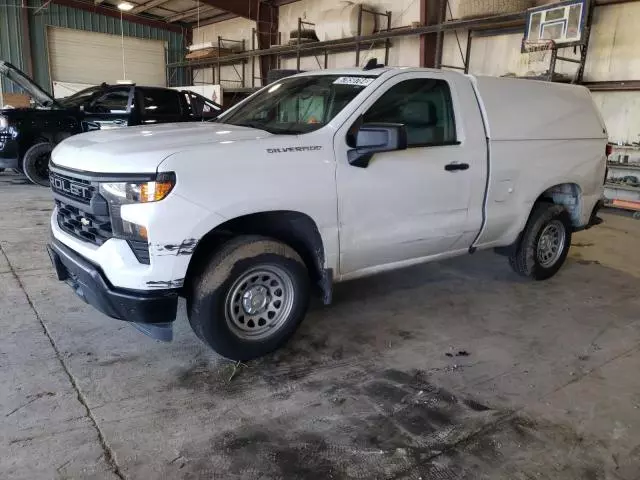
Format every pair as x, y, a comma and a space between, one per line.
541, 135
522, 170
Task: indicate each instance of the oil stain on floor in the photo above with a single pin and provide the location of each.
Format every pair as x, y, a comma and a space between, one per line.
390, 425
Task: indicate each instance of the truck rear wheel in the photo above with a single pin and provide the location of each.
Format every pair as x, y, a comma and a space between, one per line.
250, 298
35, 163
544, 244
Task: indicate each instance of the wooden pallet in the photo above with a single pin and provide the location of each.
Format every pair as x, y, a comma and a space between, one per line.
212, 52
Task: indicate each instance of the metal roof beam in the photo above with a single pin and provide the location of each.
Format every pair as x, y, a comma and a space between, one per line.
243, 8
218, 18
189, 13
146, 6
112, 12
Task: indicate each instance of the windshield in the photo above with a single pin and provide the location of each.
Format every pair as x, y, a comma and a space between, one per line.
298, 104
79, 98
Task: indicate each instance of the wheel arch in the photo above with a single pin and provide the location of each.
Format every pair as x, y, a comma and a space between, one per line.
568, 194
36, 136
296, 229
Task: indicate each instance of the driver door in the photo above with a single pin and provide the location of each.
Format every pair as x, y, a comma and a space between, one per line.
406, 205
110, 109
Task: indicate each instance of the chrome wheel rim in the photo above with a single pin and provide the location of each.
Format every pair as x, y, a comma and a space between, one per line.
551, 243
259, 302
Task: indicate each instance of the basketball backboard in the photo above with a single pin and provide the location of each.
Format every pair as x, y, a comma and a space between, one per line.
562, 22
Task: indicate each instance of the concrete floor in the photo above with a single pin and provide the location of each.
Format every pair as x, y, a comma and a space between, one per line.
452, 370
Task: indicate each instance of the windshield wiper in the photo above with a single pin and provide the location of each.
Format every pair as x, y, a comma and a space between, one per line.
295, 128
287, 128
252, 124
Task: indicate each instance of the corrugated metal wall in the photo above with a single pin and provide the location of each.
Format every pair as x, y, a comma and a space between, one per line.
60, 16
10, 39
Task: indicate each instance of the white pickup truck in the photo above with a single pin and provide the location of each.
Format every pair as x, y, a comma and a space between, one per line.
319, 178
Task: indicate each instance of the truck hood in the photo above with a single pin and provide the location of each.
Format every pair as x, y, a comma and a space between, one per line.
142, 149
18, 77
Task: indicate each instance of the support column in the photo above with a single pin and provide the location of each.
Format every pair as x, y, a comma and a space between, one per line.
267, 29
432, 12
27, 56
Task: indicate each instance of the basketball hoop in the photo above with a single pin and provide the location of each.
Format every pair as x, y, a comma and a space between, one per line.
535, 55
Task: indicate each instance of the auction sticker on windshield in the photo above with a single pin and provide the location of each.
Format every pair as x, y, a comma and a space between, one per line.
359, 81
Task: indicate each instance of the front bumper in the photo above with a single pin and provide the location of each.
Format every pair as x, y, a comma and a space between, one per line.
9, 163
90, 284
8, 152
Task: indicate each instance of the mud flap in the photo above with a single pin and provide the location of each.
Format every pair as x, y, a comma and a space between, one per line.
157, 331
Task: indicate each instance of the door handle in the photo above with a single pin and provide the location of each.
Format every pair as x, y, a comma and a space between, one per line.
452, 167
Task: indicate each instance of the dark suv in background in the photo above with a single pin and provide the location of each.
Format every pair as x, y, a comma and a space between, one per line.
28, 135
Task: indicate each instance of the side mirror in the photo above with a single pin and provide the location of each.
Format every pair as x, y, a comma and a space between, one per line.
370, 138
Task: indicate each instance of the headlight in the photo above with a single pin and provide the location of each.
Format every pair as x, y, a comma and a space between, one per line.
4, 122
139, 192
131, 192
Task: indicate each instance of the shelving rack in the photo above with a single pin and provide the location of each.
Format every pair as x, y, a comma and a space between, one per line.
355, 44
621, 195
493, 25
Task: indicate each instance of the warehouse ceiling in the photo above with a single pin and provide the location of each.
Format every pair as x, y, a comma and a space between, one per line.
191, 12
171, 11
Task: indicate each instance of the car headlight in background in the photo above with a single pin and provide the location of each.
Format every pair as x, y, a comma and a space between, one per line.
133, 192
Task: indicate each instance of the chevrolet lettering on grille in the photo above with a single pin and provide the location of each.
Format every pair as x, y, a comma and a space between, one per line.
71, 188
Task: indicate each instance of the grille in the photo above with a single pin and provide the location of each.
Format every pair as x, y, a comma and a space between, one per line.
85, 214
77, 189
84, 225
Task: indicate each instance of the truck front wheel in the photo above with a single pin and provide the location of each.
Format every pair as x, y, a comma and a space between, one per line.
250, 298
35, 163
544, 244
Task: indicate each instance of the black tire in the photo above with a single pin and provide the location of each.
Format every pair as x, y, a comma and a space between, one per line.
525, 259
310, 34
216, 292
35, 163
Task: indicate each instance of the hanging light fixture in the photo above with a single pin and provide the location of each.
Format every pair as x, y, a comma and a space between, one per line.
123, 7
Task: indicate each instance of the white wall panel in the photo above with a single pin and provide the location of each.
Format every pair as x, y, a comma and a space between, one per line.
404, 51
235, 29
621, 113
499, 55
614, 47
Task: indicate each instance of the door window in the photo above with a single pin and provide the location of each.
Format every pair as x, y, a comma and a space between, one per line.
424, 106
113, 101
160, 102
201, 107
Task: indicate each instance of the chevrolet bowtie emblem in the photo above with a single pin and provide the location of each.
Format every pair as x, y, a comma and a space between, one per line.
84, 221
